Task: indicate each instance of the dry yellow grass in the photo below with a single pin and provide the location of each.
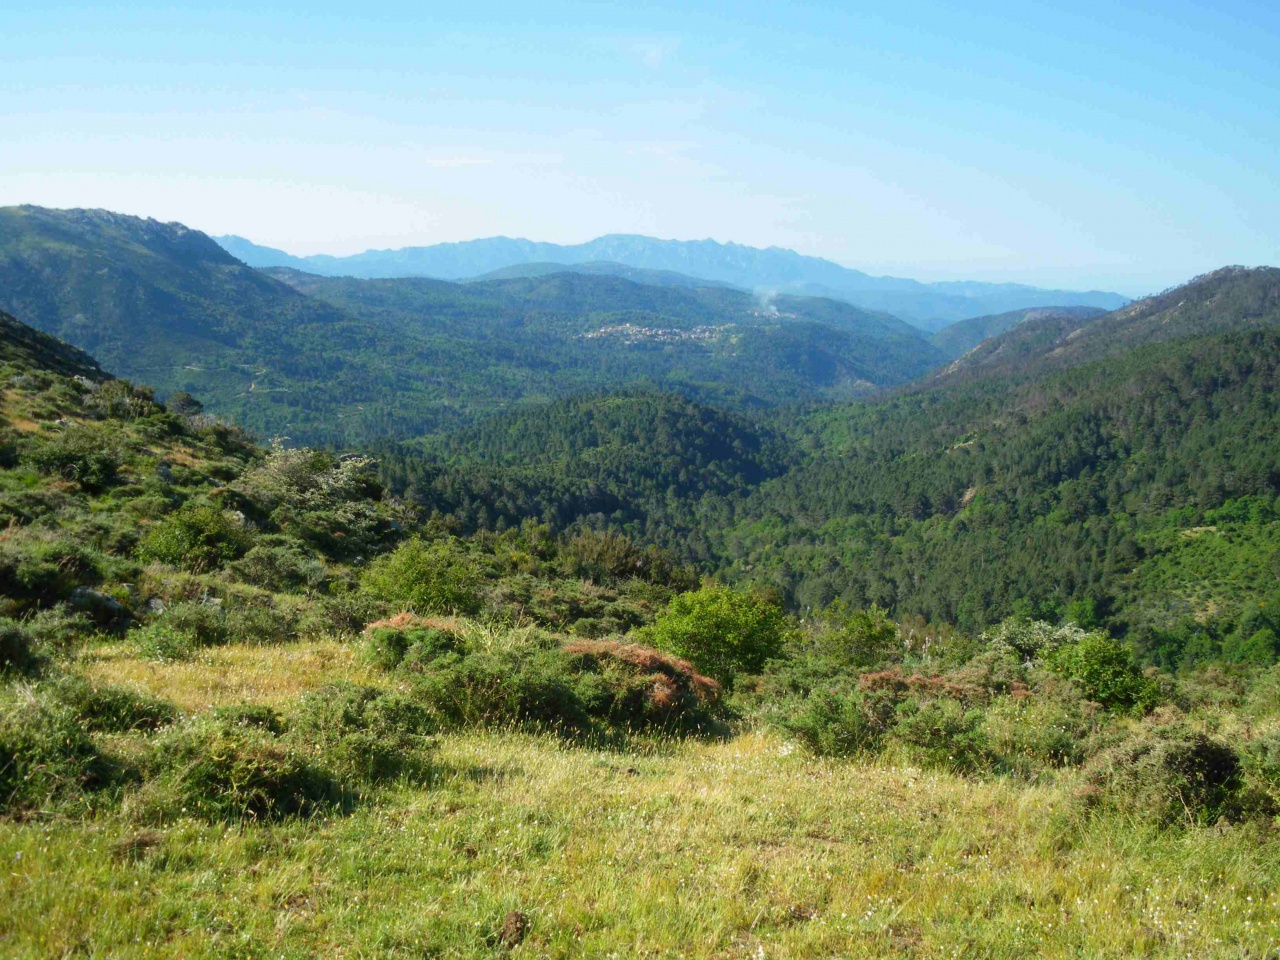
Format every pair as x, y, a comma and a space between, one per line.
270, 675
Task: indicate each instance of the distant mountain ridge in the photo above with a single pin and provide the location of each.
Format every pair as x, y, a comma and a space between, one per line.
751, 268
341, 361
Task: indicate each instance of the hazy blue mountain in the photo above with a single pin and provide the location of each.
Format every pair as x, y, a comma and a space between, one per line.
774, 268
959, 338
654, 278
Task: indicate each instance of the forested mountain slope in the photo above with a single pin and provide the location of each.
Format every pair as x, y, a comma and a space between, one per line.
1233, 298
347, 362
961, 337
26, 346
1091, 485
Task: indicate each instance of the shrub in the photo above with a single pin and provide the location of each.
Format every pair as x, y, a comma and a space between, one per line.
1167, 773
78, 453
363, 733
182, 630
1262, 765
197, 538
425, 577
111, 709
1031, 734
280, 568
46, 758
16, 653
856, 638
250, 715
721, 630
1106, 672
638, 686
833, 724
942, 733
215, 770
388, 642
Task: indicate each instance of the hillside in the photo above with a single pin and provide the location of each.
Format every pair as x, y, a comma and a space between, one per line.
749, 268
347, 361
25, 346
1032, 492
959, 338
1233, 298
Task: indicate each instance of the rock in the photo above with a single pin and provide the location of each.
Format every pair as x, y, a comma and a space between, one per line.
98, 604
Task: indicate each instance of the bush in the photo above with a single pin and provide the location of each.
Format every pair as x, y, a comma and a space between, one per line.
941, 733
834, 725
1167, 773
363, 733
534, 680
46, 759
722, 631
280, 568
214, 770
111, 709
1106, 672
1032, 734
182, 630
78, 453
197, 538
1262, 765
388, 642
250, 715
425, 578
16, 653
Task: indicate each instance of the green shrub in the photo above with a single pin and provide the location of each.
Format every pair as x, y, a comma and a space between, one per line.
77, 453
250, 715
942, 733
584, 686
363, 733
46, 759
281, 568
16, 649
182, 630
111, 709
213, 770
197, 538
1166, 773
425, 578
1262, 766
1106, 672
1032, 734
388, 643
259, 625
721, 630
833, 724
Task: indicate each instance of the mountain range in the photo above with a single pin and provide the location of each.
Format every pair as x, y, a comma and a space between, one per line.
928, 305
340, 360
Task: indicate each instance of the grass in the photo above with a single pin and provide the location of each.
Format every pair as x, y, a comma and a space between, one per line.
267, 675
742, 847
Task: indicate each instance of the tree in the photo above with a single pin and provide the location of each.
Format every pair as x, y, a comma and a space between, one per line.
721, 630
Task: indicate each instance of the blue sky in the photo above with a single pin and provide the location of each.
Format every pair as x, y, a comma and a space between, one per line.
1114, 145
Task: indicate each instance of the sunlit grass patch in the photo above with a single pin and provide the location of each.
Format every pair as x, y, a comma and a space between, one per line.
274, 675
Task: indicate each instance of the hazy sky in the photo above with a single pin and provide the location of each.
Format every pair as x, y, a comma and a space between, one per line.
1117, 145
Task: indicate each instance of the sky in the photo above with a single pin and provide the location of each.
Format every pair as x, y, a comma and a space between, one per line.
1121, 146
